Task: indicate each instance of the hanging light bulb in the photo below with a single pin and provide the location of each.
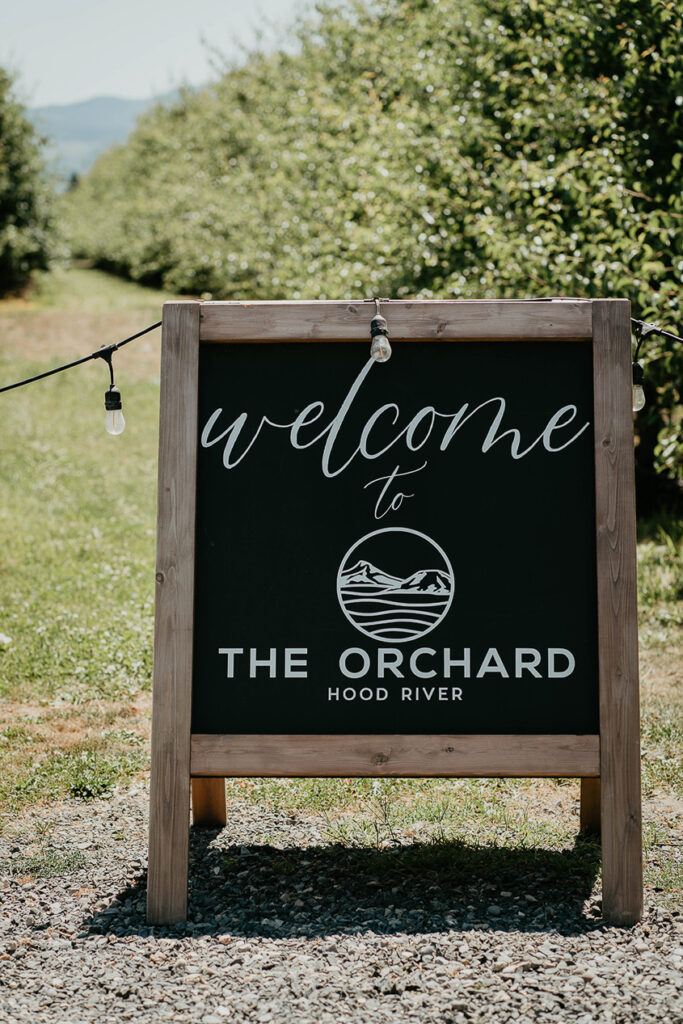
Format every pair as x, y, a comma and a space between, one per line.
114, 423
380, 349
638, 393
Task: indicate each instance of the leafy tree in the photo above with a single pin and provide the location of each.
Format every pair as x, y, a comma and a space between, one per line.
462, 148
634, 47
25, 196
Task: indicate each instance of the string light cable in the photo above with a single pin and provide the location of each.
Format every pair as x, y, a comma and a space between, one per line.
114, 421
380, 351
642, 329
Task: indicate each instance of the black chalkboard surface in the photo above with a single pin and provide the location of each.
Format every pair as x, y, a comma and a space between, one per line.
405, 547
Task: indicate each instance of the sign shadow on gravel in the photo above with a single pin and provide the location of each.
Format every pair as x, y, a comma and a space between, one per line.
252, 890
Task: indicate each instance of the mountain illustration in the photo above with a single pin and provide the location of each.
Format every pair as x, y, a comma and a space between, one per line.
433, 580
366, 572
367, 575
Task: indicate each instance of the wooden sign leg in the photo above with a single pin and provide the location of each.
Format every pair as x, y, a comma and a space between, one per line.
209, 808
622, 858
169, 840
169, 818
590, 807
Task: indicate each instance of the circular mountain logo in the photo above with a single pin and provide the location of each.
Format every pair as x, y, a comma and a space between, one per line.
395, 585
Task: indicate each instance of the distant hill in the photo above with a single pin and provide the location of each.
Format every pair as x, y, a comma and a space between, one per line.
79, 132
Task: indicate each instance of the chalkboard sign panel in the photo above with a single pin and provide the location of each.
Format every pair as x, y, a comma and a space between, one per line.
424, 567
421, 561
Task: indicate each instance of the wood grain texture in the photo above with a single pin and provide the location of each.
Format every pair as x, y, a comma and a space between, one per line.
397, 756
502, 320
209, 808
622, 880
170, 776
590, 807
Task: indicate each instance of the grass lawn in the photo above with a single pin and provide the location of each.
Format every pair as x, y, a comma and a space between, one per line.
76, 610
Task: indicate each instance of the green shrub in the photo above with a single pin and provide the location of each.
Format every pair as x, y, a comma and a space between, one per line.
26, 231
469, 149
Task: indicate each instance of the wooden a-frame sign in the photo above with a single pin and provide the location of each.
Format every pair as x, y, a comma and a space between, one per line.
424, 567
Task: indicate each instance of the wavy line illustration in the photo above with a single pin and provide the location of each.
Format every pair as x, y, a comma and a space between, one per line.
391, 592
364, 590
399, 613
367, 609
391, 634
370, 628
397, 604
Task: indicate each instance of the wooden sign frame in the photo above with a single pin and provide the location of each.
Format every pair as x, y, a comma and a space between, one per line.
608, 764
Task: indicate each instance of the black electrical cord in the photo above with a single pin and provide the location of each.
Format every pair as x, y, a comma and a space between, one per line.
102, 353
642, 329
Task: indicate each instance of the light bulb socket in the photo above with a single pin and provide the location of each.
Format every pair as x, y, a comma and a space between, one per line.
638, 374
112, 399
378, 325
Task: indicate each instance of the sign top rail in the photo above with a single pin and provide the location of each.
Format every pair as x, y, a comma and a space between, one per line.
408, 319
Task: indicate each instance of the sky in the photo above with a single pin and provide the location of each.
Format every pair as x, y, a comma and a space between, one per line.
69, 50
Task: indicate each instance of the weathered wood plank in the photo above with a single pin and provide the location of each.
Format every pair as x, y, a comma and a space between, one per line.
565, 319
397, 756
170, 777
209, 809
590, 807
622, 881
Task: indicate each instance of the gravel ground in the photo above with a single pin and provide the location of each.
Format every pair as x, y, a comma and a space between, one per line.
286, 928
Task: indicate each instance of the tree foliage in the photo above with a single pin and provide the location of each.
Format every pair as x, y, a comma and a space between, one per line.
25, 195
446, 148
